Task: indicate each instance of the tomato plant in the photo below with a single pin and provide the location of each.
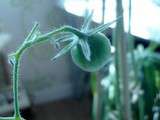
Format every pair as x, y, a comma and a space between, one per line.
89, 49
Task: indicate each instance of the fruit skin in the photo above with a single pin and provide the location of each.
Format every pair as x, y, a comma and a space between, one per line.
100, 52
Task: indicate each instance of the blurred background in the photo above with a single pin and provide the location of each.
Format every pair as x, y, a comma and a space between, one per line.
60, 90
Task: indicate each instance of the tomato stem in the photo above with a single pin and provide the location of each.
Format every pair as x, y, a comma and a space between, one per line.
15, 86
32, 39
16, 57
122, 65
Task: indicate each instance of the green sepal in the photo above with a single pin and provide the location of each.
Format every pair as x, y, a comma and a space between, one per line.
87, 21
102, 27
85, 49
65, 49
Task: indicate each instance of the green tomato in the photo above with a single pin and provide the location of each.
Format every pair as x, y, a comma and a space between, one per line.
100, 52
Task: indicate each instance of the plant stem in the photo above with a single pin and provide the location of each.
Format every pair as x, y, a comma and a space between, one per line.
103, 10
131, 44
46, 36
117, 82
122, 65
97, 97
15, 86
93, 84
27, 44
141, 107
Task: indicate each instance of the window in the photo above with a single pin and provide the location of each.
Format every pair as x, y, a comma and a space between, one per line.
145, 20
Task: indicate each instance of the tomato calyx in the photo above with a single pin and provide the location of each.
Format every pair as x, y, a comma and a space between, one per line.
85, 48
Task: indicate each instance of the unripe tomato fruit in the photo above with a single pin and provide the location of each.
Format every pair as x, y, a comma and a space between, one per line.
100, 52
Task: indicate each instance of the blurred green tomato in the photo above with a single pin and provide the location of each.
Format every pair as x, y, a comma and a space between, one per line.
100, 52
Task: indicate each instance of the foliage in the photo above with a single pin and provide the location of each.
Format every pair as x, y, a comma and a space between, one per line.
143, 92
